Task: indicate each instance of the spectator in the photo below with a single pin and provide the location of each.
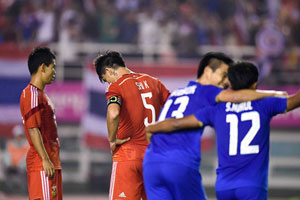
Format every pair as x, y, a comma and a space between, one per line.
147, 36
128, 28
15, 161
46, 19
27, 23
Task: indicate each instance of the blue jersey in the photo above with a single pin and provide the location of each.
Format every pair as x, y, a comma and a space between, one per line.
182, 147
243, 132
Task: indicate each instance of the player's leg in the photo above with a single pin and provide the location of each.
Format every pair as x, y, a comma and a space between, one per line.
141, 185
226, 195
155, 185
37, 185
184, 182
126, 181
43, 188
251, 193
56, 186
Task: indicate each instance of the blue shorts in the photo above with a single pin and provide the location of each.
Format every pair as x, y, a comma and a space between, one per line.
243, 193
172, 181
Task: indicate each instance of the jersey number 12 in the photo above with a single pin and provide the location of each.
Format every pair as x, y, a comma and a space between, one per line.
245, 147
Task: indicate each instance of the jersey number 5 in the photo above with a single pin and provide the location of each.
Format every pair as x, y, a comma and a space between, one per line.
245, 147
148, 106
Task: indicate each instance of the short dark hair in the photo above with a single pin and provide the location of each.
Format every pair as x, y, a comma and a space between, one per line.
39, 56
213, 60
111, 59
242, 75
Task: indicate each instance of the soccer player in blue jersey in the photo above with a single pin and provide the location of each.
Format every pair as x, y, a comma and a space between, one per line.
243, 131
171, 164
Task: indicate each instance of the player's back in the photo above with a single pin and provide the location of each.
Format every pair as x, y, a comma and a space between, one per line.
141, 96
243, 132
184, 146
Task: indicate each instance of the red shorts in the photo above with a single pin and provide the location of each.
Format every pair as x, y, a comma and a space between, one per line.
40, 187
126, 181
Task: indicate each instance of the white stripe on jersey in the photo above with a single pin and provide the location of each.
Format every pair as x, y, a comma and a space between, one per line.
34, 97
131, 78
112, 180
31, 91
126, 80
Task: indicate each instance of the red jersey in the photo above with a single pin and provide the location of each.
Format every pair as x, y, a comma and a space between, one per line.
141, 97
38, 112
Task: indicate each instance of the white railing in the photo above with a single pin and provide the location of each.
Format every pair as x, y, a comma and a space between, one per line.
68, 52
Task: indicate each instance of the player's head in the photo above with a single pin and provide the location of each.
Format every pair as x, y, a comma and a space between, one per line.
18, 132
243, 75
214, 65
106, 65
42, 60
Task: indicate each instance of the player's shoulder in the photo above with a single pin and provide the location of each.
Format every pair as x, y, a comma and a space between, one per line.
145, 76
269, 100
210, 87
112, 87
31, 96
124, 78
27, 91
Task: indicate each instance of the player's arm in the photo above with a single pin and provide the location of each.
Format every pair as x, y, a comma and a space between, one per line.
113, 118
237, 96
38, 144
293, 101
165, 93
172, 124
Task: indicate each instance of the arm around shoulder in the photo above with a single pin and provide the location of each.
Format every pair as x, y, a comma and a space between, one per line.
172, 124
237, 96
293, 101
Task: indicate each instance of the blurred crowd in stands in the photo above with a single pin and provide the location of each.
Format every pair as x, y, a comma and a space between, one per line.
167, 27
183, 24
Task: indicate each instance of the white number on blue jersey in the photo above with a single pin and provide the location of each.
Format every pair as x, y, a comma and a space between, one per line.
148, 106
183, 101
245, 147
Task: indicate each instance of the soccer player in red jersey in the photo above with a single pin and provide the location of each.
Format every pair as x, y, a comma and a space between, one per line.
133, 102
42, 162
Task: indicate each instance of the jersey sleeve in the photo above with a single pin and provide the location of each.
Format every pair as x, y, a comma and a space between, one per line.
205, 115
274, 105
210, 92
113, 91
165, 93
32, 107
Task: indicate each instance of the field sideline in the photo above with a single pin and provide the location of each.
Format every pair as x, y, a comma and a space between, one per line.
92, 197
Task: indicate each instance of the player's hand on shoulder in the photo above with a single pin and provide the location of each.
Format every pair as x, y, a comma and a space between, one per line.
48, 168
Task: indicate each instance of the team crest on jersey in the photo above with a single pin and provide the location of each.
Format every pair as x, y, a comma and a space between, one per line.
53, 191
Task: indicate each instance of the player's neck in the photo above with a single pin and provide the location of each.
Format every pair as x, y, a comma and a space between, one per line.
37, 82
203, 81
122, 71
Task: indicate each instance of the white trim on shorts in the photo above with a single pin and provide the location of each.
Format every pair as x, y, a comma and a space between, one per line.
45, 185
112, 180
